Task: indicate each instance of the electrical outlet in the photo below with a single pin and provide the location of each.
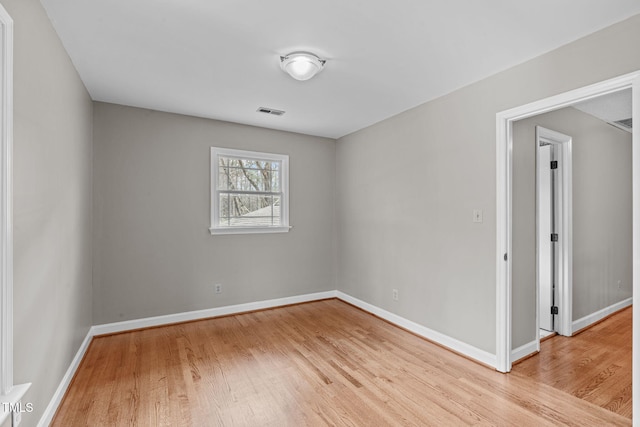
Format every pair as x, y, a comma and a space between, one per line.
477, 215
395, 295
619, 284
217, 288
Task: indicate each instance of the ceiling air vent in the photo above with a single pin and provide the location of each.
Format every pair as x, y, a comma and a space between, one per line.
271, 111
626, 123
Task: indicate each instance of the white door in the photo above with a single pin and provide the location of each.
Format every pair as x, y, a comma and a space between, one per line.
554, 237
546, 268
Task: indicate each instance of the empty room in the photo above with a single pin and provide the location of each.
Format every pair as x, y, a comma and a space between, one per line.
246, 213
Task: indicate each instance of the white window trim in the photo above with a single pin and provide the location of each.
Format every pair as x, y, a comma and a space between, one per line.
10, 394
284, 183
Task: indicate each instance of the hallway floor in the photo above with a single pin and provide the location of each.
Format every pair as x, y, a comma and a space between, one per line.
594, 365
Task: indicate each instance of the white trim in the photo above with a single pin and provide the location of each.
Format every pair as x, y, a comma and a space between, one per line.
566, 99
592, 318
128, 325
442, 339
246, 154
544, 226
525, 350
6, 197
9, 393
564, 145
565, 241
214, 228
248, 230
111, 328
635, 153
437, 337
504, 165
504, 149
55, 401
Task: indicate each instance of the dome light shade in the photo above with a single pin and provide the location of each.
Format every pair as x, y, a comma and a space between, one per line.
301, 65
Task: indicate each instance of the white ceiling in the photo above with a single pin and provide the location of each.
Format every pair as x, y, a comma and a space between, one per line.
610, 108
220, 58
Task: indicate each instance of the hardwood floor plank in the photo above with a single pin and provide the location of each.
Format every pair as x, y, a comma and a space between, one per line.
594, 365
320, 363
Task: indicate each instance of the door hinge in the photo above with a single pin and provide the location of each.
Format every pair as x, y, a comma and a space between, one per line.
554, 164
554, 310
554, 237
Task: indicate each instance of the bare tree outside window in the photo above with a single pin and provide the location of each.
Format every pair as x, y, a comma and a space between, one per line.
249, 192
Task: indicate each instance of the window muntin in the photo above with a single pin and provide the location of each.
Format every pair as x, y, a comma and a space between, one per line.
249, 192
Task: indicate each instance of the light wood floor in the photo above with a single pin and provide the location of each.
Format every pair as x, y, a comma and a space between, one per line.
594, 365
321, 363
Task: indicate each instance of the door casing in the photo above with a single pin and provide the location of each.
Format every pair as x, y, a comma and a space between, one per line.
504, 185
564, 213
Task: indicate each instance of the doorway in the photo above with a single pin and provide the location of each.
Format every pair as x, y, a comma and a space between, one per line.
504, 145
593, 226
601, 195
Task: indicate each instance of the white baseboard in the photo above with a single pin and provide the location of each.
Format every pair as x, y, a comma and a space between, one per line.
525, 350
437, 337
51, 409
599, 315
128, 325
442, 339
110, 328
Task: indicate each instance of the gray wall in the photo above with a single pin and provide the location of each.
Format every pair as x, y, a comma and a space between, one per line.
52, 206
154, 254
407, 187
403, 192
601, 216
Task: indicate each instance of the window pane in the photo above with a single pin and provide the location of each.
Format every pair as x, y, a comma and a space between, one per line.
248, 175
224, 208
249, 210
228, 161
248, 190
223, 179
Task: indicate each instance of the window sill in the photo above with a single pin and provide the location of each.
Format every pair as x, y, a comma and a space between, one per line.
9, 400
248, 230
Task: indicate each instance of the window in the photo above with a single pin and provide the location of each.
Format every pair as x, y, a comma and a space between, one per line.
249, 192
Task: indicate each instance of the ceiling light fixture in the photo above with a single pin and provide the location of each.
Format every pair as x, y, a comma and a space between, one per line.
301, 65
